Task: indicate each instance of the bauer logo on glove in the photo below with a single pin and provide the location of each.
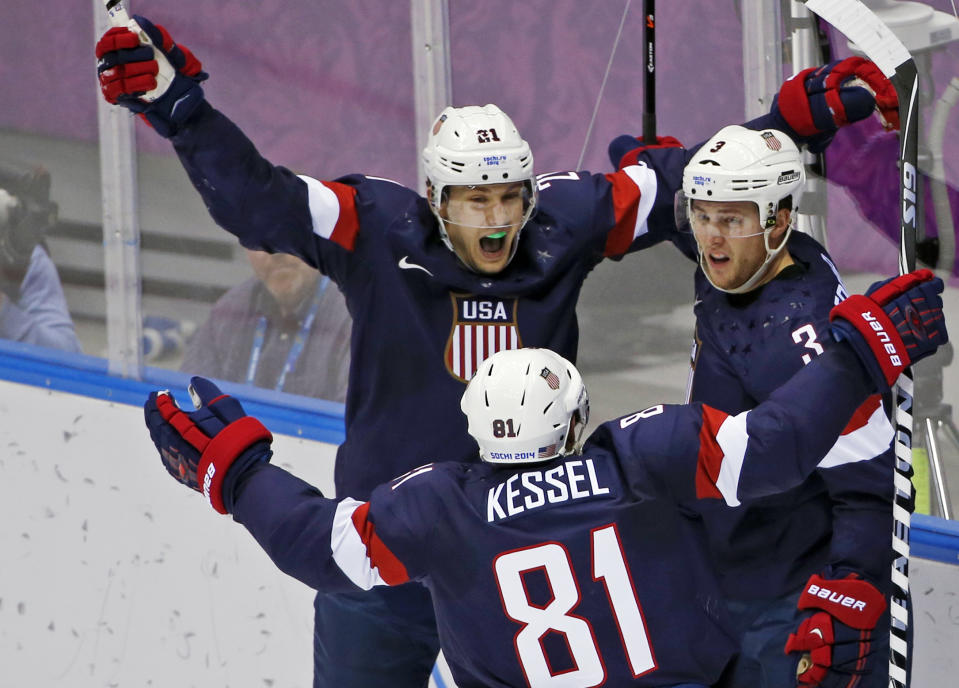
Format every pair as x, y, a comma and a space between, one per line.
835, 639
896, 323
884, 339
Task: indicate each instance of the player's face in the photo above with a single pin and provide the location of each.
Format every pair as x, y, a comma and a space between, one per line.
286, 277
730, 239
482, 223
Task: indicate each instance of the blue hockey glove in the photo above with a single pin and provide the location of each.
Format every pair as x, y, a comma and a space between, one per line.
625, 149
819, 100
898, 322
127, 69
208, 448
836, 642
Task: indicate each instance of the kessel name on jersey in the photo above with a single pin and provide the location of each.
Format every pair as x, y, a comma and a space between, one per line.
571, 480
481, 327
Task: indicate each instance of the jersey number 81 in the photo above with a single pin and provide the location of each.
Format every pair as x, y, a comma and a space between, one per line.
552, 559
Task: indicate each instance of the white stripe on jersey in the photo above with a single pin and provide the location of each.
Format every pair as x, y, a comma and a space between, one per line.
468, 360
861, 444
645, 179
349, 552
732, 439
324, 208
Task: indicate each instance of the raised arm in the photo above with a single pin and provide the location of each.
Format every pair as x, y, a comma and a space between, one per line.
697, 451
265, 205
220, 452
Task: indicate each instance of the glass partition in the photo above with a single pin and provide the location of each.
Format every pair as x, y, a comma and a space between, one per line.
52, 260
326, 89
323, 104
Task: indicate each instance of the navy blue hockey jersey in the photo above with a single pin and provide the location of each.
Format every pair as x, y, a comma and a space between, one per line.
576, 572
422, 323
747, 345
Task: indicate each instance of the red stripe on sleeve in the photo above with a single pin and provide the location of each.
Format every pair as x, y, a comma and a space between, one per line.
391, 569
348, 223
862, 414
625, 205
710, 458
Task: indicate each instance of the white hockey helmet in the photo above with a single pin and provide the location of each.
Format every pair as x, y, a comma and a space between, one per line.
519, 405
763, 167
474, 146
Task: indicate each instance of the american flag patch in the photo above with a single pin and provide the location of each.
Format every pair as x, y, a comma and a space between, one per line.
481, 327
545, 452
771, 141
550, 378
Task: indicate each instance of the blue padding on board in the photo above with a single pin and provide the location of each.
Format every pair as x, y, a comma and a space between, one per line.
286, 414
934, 538
315, 419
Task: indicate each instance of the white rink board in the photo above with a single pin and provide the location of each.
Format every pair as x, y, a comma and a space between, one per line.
935, 594
114, 575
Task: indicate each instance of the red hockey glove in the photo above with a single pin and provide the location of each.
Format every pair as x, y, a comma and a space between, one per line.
127, 69
625, 149
819, 100
836, 642
897, 322
208, 448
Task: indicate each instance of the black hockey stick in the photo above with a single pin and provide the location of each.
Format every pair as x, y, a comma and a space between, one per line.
649, 80
880, 45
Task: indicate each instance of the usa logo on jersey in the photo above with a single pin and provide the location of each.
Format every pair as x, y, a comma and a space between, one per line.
481, 327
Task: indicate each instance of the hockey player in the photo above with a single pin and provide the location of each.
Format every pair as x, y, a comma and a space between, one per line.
492, 259
763, 298
548, 566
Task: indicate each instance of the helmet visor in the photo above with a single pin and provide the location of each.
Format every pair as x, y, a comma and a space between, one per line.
703, 219
488, 206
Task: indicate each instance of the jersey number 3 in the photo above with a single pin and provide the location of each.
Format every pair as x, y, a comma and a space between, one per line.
552, 560
807, 332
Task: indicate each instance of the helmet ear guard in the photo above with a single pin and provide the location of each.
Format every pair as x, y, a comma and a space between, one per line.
762, 167
475, 146
522, 404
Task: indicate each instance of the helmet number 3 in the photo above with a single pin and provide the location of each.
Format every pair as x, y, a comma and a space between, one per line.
503, 428
552, 560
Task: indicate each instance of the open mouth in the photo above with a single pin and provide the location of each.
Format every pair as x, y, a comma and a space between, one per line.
718, 259
493, 244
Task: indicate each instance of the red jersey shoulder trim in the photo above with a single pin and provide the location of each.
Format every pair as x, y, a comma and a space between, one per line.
710, 459
390, 567
348, 222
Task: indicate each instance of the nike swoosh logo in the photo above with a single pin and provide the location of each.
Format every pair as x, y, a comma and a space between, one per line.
177, 103
407, 265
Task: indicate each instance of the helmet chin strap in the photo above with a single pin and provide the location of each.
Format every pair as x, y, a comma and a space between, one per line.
760, 272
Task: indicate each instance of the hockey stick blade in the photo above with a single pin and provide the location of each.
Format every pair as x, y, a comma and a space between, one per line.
880, 44
119, 17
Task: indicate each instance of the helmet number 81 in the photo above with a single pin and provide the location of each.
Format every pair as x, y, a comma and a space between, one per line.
552, 559
503, 428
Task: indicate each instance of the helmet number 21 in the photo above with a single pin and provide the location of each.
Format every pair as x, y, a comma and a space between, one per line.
552, 559
486, 135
